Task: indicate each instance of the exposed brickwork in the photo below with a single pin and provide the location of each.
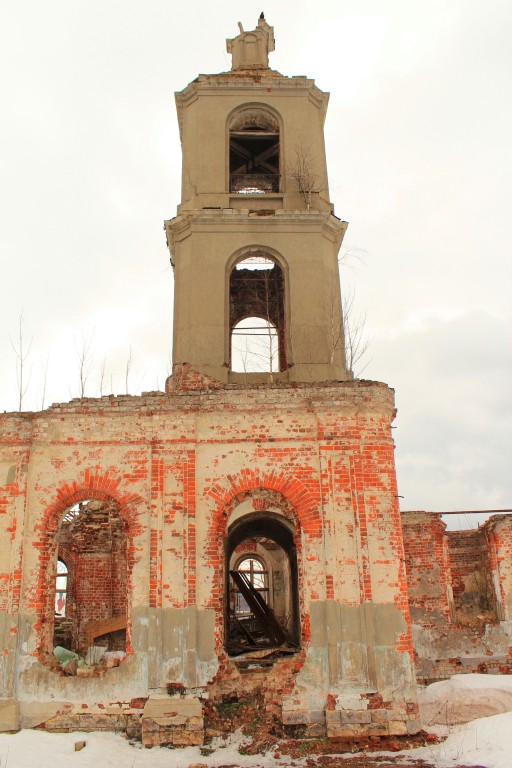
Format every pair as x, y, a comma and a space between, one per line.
471, 578
177, 467
459, 589
427, 560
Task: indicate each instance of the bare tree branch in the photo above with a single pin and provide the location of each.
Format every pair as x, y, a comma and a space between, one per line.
127, 370
84, 360
351, 258
102, 374
44, 372
357, 342
21, 353
302, 170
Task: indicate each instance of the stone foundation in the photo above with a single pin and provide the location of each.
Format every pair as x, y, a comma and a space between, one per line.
172, 722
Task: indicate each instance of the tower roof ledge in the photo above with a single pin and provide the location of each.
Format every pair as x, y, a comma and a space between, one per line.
254, 80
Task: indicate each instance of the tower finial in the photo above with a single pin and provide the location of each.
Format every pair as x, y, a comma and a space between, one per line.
250, 49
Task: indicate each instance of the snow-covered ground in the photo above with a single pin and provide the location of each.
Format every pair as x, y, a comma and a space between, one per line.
465, 697
484, 742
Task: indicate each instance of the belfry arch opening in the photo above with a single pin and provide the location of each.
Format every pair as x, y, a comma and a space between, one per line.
262, 585
254, 153
257, 315
90, 573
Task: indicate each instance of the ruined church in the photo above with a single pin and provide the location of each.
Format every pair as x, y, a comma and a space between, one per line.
240, 531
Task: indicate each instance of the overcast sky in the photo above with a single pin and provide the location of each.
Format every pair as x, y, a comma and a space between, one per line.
418, 136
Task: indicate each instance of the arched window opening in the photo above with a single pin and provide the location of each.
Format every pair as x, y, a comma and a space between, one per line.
256, 573
61, 588
262, 586
254, 152
257, 316
91, 581
254, 346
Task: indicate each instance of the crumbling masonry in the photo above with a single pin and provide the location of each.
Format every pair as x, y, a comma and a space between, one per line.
245, 522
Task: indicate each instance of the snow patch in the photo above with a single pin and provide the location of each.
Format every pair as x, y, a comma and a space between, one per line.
465, 697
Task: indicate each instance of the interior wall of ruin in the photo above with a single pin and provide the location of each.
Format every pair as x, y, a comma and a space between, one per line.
458, 582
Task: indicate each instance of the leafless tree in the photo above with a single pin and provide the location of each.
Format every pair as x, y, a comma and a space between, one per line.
335, 325
84, 354
350, 258
44, 378
355, 338
21, 351
303, 170
127, 370
357, 341
102, 374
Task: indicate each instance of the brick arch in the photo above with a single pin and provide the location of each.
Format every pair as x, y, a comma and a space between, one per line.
300, 502
296, 503
103, 486
244, 484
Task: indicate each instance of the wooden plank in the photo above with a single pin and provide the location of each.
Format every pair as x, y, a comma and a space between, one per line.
95, 629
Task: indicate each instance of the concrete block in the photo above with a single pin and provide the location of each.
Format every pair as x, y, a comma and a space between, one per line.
169, 721
397, 728
356, 716
295, 717
332, 717
9, 715
413, 726
351, 702
34, 713
347, 731
380, 716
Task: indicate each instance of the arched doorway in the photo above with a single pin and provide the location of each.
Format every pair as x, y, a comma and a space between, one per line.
262, 585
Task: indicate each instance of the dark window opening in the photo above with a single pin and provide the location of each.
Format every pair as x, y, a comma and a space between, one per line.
262, 586
253, 163
254, 153
257, 316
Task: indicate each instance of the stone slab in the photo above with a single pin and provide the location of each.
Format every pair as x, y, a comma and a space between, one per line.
9, 716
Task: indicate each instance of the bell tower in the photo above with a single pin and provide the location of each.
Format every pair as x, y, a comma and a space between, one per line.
254, 245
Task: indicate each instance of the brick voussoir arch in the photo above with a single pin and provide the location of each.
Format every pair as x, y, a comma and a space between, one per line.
248, 480
103, 486
93, 484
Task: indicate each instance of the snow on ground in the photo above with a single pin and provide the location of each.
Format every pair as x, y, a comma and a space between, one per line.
465, 697
38, 749
484, 742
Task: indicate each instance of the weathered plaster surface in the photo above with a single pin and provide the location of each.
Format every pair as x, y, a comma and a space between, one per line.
180, 468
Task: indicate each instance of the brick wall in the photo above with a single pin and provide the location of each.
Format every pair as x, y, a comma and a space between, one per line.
177, 466
473, 591
460, 589
427, 560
